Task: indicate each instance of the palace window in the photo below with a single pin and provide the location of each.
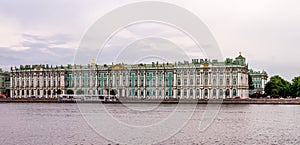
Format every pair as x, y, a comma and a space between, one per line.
206, 82
191, 92
191, 82
214, 82
214, 92
234, 81
205, 92
227, 82
178, 92
192, 73
167, 84
197, 92
142, 82
179, 82
234, 92
160, 82
147, 83
221, 93
227, 93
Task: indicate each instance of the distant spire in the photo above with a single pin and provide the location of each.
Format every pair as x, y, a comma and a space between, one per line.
240, 53
93, 62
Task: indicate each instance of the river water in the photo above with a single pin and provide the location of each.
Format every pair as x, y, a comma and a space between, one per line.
65, 124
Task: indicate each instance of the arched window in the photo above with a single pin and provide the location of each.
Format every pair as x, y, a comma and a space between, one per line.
179, 81
184, 92
214, 82
191, 92
178, 92
198, 81
214, 92
220, 93
147, 82
227, 93
191, 82
221, 81
206, 82
185, 82
205, 92
197, 92
227, 82
234, 81
234, 92
191, 72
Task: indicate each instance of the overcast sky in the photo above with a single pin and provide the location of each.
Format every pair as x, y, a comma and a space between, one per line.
266, 32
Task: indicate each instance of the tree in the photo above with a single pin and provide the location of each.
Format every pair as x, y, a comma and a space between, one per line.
278, 87
295, 87
250, 82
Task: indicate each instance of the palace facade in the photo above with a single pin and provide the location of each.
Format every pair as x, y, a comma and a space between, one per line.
259, 79
200, 78
4, 82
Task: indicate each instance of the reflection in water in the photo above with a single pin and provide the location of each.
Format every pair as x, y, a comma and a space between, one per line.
235, 124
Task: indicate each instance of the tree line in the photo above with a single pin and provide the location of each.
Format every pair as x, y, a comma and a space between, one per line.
278, 87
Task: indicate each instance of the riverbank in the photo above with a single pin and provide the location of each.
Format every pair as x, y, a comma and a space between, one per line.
157, 101
29, 100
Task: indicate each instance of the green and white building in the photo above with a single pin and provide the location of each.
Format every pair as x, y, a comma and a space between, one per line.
259, 79
4, 82
198, 79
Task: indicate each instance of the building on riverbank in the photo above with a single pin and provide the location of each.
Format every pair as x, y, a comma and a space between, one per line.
259, 79
200, 78
4, 82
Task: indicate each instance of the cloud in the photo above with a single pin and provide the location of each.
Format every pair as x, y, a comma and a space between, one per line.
55, 56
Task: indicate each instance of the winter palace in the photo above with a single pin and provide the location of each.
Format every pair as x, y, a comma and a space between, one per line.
199, 79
